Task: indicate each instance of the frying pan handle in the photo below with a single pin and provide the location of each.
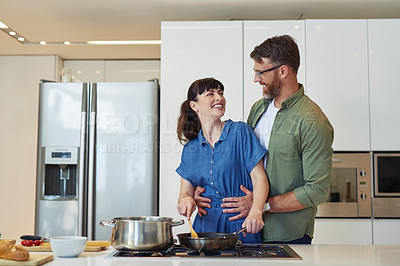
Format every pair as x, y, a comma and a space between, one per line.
240, 230
177, 222
107, 223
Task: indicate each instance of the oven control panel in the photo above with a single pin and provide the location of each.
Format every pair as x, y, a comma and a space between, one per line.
364, 184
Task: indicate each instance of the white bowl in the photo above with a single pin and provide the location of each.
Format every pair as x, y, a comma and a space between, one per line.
68, 246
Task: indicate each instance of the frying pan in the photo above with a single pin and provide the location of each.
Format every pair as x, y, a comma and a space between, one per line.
210, 241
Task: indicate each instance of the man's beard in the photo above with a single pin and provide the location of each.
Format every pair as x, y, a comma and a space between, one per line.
273, 89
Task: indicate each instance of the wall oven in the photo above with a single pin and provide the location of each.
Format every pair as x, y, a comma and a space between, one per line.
350, 190
386, 201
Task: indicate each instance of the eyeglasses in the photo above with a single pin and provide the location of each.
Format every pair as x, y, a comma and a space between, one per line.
262, 72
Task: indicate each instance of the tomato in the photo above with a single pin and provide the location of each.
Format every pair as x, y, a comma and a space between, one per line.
37, 242
24, 242
29, 243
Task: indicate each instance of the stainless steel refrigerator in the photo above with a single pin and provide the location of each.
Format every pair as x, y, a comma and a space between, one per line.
97, 155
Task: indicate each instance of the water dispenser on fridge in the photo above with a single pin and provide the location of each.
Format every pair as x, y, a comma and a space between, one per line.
57, 204
60, 173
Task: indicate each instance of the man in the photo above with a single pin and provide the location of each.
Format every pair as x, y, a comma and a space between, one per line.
298, 137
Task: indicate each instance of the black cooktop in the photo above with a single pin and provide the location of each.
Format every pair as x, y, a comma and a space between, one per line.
240, 251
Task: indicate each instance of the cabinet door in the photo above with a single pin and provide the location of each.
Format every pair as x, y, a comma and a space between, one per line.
337, 78
131, 70
190, 51
384, 66
86, 70
343, 231
254, 33
386, 231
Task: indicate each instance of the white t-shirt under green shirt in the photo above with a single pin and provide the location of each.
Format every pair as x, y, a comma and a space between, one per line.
264, 126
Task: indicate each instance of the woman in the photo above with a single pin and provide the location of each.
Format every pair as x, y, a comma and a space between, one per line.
219, 156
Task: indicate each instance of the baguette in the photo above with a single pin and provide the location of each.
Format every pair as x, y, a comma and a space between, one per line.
9, 251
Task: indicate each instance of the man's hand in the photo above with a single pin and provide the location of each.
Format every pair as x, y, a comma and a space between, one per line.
241, 205
201, 201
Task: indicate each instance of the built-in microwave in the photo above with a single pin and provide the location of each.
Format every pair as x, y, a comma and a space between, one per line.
350, 189
386, 201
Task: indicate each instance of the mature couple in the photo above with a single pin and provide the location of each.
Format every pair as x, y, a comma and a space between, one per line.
222, 165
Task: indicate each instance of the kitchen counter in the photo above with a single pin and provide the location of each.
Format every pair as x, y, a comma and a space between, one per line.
332, 255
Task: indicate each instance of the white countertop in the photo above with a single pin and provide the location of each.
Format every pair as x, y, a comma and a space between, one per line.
332, 255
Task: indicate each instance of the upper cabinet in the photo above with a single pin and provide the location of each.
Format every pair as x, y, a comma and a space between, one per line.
384, 66
113, 70
337, 78
254, 33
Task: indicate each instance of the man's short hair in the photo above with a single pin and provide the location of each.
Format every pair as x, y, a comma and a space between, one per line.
280, 50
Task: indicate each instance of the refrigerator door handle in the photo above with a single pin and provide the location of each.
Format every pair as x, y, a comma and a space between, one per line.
92, 158
82, 163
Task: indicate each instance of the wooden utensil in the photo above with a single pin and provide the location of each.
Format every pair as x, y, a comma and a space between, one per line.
91, 246
192, 232
48, 248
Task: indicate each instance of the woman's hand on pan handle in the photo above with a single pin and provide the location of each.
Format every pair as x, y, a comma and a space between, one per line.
254, 222
186, 206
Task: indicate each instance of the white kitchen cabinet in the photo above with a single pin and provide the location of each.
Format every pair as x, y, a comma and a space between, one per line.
343, 231
19, 98
337, 78
86, 70
113, 70
254, 33
384, 66
131, 70
190, 51
386, 231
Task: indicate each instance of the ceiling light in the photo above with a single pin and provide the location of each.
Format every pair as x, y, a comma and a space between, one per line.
3, 26
124, 42
23, 40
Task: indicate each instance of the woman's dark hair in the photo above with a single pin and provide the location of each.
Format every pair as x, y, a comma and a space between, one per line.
188, 122
280, 50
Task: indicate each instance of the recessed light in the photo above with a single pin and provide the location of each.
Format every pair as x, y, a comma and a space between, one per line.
43, 42
12, 33
67, 42
124, 42
21, 39
3, 26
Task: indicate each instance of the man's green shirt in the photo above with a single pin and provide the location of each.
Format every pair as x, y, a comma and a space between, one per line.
299, 159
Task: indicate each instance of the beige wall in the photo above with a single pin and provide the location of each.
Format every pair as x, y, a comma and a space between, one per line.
19, 95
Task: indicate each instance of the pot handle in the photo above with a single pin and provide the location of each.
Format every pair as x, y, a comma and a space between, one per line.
177, 222
107, 223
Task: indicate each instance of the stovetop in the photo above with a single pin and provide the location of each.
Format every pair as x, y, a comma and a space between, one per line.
256, 251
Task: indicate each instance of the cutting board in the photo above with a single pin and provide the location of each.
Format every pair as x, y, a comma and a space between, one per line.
34, 259
48, 248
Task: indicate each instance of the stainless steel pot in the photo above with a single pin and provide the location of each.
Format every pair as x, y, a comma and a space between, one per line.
142, 233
